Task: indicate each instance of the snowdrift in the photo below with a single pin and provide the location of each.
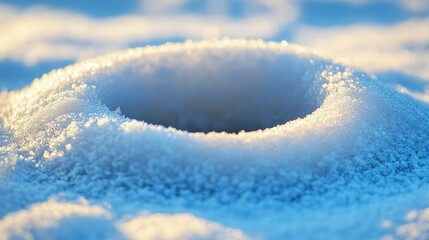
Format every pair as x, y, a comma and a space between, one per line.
268, 139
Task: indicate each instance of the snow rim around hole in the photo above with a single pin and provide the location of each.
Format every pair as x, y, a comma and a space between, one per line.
342, 155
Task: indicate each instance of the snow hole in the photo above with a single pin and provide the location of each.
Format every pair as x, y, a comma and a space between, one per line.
205, 90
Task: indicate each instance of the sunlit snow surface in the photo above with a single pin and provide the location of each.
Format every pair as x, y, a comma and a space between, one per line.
328, 152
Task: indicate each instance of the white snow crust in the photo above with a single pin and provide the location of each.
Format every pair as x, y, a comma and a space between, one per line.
270, 140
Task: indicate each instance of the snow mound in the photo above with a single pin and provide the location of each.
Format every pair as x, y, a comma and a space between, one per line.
178, 226
58, 220
217, 128
55, 219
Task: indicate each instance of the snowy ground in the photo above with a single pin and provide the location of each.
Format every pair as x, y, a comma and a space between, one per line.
335, 146
342, 155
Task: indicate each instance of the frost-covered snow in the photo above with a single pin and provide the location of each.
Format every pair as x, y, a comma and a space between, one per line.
328, 152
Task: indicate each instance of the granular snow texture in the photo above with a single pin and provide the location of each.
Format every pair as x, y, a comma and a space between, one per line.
225, 139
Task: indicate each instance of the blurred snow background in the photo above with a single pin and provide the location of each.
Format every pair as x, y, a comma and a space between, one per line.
386, 37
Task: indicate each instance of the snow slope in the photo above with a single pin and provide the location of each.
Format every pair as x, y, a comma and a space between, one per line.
327, 151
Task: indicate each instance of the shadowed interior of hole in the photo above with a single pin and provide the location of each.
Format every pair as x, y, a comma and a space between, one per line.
212, 90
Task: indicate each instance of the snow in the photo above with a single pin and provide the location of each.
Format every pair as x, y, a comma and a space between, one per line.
80, 35
54, 219
178, 226
327, 151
